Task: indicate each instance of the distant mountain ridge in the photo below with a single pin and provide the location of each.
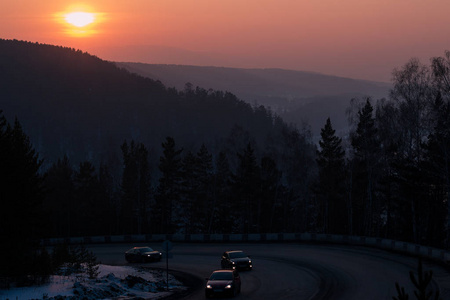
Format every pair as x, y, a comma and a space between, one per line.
294, 95
264, 82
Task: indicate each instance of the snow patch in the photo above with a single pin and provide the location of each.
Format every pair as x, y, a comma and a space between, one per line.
118, 282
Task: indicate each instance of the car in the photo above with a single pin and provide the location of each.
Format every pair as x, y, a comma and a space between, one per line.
236, 259
142, 254
223, 283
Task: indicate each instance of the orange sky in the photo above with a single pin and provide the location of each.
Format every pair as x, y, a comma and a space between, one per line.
363, 39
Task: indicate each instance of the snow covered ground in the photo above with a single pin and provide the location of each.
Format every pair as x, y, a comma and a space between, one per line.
113, 282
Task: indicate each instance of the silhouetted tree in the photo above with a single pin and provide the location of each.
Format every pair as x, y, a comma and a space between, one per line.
189, 190
109, 198
366, 147
268, 206
439, 140
436, 167
168, 191
85, 203
59, 200
21, 196
422, 282
331, 185
92, 210
413, 94
135, 188
221, 219
204, 177
246, 191
389, 132
196, 190
296, 160
440, 67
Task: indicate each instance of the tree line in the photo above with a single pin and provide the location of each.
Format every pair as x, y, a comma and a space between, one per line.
389, 177
195, 192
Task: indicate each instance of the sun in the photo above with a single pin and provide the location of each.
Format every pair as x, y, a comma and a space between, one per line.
80, 21
79, 18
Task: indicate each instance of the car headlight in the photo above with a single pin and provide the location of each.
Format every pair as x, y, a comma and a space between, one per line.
208, 286
228, 286
249, 261
233, 263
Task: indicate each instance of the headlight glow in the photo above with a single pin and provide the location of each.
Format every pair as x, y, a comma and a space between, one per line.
209, 286
228, 286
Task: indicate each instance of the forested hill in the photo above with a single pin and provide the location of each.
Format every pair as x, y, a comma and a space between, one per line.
75, 104
268, 86
296, 96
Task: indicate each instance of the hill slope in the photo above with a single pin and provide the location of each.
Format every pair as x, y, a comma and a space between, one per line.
72, 103
296, 96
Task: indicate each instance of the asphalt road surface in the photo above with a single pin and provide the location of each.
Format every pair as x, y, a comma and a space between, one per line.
295, 271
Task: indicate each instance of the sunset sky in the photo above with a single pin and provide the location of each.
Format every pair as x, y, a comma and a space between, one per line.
362, 39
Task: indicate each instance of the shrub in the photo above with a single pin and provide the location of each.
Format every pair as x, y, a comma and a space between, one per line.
423, 291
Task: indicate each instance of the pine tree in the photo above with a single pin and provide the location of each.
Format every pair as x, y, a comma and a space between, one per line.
421, 283
59, 200
109, 199
366, 147
268, 204
219, 219
135, 188
86, 192
205, 178
330, 188
247, 190
168, 191
437, 166
189, 190
21, 196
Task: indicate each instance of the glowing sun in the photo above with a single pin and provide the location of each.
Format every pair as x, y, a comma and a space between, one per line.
79, 19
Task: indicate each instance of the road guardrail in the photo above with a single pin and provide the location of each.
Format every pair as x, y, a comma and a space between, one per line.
386, 244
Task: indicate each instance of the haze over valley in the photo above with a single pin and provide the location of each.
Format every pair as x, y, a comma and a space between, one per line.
298, 97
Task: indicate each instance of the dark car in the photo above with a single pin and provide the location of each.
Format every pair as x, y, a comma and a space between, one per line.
142, 254
236, 259
223, 283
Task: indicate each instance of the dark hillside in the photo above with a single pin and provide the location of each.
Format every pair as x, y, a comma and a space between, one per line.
72, 103
295, 95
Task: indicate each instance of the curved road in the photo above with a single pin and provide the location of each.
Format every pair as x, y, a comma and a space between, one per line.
297, 271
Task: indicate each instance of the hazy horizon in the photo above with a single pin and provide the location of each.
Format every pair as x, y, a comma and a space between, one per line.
349, 38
